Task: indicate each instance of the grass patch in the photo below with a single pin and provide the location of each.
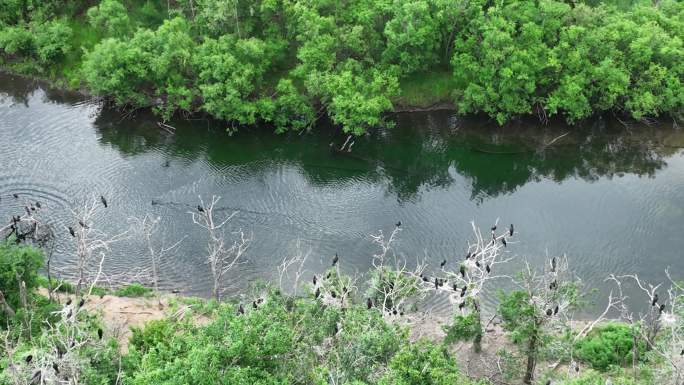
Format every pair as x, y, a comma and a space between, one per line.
133, 290
423, 90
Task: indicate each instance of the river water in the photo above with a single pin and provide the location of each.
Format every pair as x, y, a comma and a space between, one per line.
610, 198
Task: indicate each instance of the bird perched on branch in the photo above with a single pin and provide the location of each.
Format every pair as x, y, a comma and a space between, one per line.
398, 224
443, 263
71, 231
103, 200
335, 259
510, 230
655, 299
369, 303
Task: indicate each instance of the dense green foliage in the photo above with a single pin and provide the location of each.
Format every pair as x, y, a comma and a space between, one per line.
277, 340
284, 62
610, 344
18, 264
133, 290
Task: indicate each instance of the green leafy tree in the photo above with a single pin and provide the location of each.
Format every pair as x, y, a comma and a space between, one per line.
19, 266
111, 17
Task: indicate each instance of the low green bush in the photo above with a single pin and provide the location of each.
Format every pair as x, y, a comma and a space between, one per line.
608, 345
133, 290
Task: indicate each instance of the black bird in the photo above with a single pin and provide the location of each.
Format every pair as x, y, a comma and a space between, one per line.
401, 312
55, 367
455, 287
38, 204
682, 353
555, 310
314, 280
333, 294
254, 305
369, 303
328, 276
549, 312
441, 282
398, 224
462, 270
103, 200
200, 208
335, 259
318, 292
553, 264
655, 299
28, 359
460, 305
442, 264
99, 333
32, 208
81, 302
241, 309
82, 224
463, 291
468, 255
477, 263
28, 212
175, 291
394, 311
553, 285
425, 279
577, 368
60, 352
548, 382
662, 308
15, 195
37, 378
489, 269
71, 231
494, 228
436, 283
68, 302
503, 240
510, 230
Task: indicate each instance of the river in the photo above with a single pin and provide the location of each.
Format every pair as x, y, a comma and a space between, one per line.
610, 198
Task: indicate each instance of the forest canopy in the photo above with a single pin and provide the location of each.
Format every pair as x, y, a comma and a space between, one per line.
288, 62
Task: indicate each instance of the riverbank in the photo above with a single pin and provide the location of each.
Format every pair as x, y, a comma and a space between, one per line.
287, 66
125, 320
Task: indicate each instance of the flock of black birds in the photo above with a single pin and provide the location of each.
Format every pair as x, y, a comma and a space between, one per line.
38, 375
438, 282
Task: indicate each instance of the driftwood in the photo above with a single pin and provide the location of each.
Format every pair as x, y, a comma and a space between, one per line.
166, 127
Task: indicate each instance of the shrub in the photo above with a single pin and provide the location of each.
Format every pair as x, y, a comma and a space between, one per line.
133, 290
423, 363
608, 345
110, 16
18, 263
154, 333
16, 40
53, 40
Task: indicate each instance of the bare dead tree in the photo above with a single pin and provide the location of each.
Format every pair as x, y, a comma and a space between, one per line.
298, 260
221, 256
465, 281
157, 250
392, 283
92, 244
660, 327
